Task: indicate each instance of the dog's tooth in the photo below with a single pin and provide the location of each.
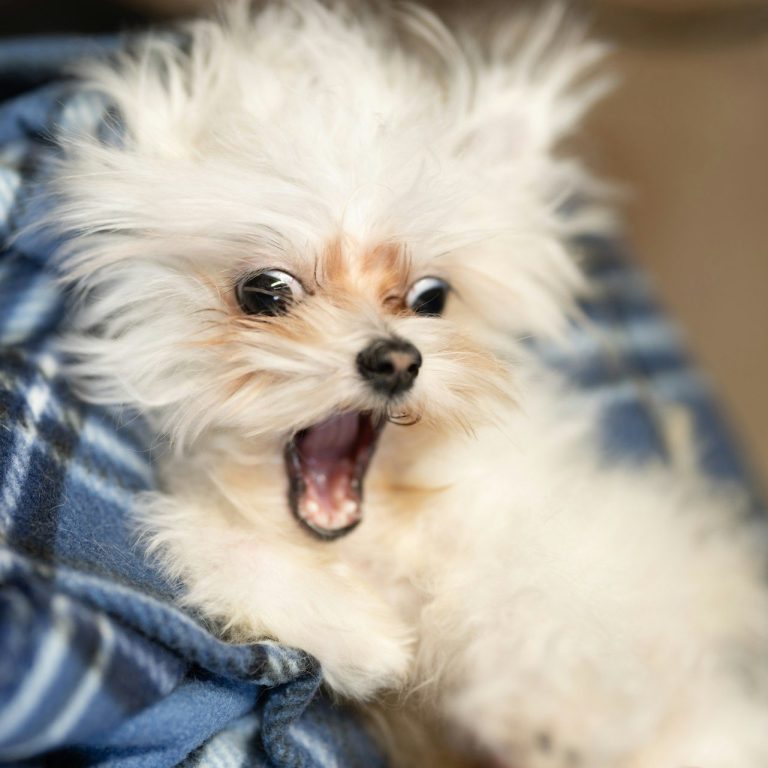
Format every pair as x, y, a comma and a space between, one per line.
312, 507
349, 508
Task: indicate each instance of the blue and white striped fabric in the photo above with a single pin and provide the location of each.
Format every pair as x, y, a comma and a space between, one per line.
97, 666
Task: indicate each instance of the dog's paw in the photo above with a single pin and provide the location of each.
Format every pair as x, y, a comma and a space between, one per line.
360, 642
362, 645
361, 659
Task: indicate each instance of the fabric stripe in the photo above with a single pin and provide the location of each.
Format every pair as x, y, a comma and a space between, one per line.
314, 744
51, 654
103, 438
56, 732
9, 187
19, 465
230, 748
31, 310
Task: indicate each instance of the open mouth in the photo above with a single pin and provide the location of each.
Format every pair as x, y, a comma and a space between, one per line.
326, 467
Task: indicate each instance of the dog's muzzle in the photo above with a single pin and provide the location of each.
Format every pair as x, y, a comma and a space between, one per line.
327, 462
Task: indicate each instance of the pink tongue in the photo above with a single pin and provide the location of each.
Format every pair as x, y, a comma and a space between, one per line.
327, 454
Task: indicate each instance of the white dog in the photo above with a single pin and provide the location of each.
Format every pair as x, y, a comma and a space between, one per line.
308, 260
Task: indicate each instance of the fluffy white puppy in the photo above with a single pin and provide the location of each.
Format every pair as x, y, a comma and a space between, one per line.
307, 259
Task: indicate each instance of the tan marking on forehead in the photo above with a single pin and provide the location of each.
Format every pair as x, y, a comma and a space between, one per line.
388, 257
348, 270
332, 263
391, 267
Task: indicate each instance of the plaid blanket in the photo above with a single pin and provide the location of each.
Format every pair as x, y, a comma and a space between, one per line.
97, 665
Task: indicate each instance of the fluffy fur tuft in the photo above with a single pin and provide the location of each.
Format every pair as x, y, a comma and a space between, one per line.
504, 582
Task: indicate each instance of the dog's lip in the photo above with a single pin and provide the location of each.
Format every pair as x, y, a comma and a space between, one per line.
326, 465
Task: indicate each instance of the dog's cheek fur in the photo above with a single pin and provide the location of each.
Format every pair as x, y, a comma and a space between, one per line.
132, 339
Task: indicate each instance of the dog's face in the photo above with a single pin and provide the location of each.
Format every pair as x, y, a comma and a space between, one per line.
289, 251
314, 354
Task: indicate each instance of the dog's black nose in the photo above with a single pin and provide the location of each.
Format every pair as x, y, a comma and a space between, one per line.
389, 365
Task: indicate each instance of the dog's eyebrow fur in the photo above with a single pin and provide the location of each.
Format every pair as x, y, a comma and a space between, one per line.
382, 270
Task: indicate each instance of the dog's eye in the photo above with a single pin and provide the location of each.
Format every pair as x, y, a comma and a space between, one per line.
427, 296
268, 293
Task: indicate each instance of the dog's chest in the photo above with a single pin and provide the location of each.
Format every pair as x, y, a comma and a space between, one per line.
389, 552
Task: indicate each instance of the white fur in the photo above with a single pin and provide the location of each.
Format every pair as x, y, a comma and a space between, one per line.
547, 606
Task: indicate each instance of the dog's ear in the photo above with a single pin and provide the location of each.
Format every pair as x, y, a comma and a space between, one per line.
530, 79
526, 87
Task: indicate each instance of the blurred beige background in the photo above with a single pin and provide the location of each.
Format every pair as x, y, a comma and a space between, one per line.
686, 132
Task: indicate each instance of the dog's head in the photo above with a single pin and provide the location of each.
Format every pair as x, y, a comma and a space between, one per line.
315, 222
